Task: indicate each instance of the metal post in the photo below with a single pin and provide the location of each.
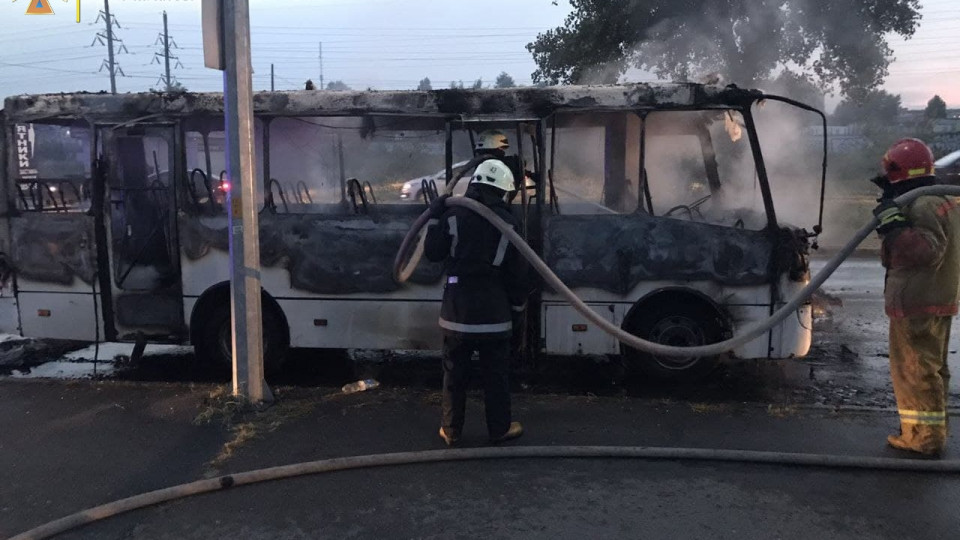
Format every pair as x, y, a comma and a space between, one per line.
113, 67
166, 48
321, 67
248, 378
272, 88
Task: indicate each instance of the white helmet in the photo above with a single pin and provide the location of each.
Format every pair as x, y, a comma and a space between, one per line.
494, 172
492, 139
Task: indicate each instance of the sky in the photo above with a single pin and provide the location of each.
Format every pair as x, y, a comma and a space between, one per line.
381, 44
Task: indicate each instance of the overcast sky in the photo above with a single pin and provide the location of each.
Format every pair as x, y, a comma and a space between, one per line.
366, 43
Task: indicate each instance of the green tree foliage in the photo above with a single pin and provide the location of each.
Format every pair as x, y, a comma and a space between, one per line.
454, 85
425, 84
841, 42
504, 81
877, 108
936, 108
477, 84
338, 86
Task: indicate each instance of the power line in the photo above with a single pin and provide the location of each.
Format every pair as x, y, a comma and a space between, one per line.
42, 68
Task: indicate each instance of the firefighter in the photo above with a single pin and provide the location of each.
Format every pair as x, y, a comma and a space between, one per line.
921, 253
484, 291
492, 143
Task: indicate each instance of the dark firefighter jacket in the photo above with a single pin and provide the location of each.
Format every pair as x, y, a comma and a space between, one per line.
486, 276
923, 260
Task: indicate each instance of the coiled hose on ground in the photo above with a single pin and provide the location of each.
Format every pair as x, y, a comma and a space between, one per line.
403, 266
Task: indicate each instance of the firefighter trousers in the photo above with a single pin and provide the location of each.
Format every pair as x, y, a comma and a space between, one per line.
495, 371
921, 379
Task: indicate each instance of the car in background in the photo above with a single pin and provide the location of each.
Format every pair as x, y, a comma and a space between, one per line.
412, 190
948, 168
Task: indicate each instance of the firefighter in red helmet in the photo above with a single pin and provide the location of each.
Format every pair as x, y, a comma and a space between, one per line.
921, 252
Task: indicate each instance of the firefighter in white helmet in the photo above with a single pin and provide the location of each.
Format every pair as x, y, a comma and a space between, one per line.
485, 287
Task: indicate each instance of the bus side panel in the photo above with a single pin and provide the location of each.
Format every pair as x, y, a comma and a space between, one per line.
55, 249
567, 332
366, 324
55, 267
58, 315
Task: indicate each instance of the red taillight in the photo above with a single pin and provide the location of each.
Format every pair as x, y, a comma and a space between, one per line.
579, 328
43, 313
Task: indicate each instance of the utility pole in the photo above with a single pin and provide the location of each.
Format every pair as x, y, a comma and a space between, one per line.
166, 49
271, 78
110, 64
229, 21
321, 66
165, 40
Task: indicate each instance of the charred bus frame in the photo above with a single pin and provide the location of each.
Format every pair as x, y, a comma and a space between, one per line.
62, 255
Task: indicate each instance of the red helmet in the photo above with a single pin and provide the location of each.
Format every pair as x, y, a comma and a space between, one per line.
908, 159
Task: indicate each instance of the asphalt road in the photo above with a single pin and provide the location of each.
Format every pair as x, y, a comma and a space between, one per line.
67, 445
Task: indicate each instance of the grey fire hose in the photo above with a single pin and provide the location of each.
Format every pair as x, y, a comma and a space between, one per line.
403, 268
151, 498
539, 452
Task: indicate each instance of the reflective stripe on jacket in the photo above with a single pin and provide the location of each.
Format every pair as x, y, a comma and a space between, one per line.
923, 260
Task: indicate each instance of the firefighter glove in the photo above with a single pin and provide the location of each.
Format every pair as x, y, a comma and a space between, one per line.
438, 205
890, 216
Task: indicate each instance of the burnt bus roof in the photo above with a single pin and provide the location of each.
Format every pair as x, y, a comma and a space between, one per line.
464, 103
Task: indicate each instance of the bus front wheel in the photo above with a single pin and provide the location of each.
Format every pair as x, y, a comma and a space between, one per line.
215, 346
679, 322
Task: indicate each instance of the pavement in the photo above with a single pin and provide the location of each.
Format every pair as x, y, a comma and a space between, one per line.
66, 445
71, 445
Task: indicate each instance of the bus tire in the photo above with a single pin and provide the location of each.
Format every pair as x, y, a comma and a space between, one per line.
213, 345
681, 320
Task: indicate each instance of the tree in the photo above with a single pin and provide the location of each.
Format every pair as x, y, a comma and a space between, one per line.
936, 108
504, 81
309, 85
876, 109
477, 84
841, 42
425, 84
454, 85
338, 86
175, 88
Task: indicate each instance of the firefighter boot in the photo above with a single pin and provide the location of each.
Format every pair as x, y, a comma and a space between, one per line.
925, 440
449, 437
515, 430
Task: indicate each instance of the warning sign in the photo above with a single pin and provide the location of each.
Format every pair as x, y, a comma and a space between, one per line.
39, 7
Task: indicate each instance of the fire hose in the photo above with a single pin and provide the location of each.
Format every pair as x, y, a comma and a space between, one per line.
403, 267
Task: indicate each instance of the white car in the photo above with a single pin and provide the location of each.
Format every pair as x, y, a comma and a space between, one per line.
412, 190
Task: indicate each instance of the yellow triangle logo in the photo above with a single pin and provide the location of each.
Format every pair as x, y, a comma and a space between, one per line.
39, 7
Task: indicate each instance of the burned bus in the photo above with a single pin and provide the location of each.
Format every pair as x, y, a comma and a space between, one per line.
652, 202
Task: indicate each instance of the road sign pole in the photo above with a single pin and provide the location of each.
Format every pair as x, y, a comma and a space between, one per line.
248, 376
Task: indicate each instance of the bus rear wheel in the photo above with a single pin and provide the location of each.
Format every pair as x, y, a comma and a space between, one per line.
679, 323
215, 346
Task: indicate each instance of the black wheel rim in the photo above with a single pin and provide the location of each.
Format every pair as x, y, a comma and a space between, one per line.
677, 331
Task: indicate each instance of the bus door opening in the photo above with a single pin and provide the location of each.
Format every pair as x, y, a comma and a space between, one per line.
141, 212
